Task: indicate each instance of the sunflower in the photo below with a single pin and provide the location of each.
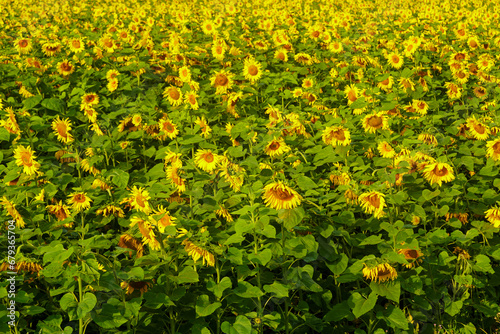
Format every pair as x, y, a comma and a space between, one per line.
351, 93
198, 253
208, 27
131, 286
303, 58
129, 242
185, 74
307, 83
11, 209
76, 45
428, 138
222, 81
373, 202
79, 201
223, 212
23, 45
206, 160
493, 216
232, 173
65, 67
61, 128
438, 172
218, 51
386, 150
252, 70
480, 92
89, 100
406, 84
395, 60
413, 256
280, 196
173, 95
202, 123
51, 49
281, 54
478, 130
163, 218
25, 157
112, 74
493, 149
112, 85
190, 98
335, 47
382, 272
60, 210
374, 122
420, 106
276, 147
111, 210
336, 135
453, 91
386, 84
138, 199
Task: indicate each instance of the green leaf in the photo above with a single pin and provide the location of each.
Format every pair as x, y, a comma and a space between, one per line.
396, 317
360, 305
483, 264
57, 253
86, 305
390, 290
453, 307
338, 312
109, 317
279, 290
155, 300
242, 325
371, 240
340, 265
119, 178
247, 290
33, 309
203, 306
54, 104
31, 102
4, 134
291, 217
156, 172
262, 257
218, 289
188, 275
69, 304
305, 183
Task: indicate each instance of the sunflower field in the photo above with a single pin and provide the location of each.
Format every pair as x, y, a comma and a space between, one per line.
243, 167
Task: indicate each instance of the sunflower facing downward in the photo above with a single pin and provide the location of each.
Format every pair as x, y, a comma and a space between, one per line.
61, 128
381, 273
252, 70
79, 201
493, 216
336, 135
25, 157
373, 202
413, 256
280, 196
438, 172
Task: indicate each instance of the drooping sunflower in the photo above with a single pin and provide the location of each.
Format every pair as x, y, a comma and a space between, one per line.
203, 124
25, 157
438, 172
79, 201
61, 128
51, 49
374, 122
386, 150
173, 95
493, 150
23, 45
395, 60
276, 147
11, 209
252, 70
413, 256
206, 160
279, 196
493, 216
222, 81
111, 210
60, 210
386, 84
197, 253
303, 58
420, 106
131, 286
453, 91
336, 135
382, 272
373, 202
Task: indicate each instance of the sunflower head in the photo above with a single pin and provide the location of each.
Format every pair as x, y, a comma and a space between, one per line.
380, 273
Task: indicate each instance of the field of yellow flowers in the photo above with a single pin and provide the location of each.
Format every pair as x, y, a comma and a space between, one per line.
249, 166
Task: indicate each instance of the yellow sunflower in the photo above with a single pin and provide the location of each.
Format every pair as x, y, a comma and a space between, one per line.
252, 70
26, 157
79, 201
386, 150
191, 99
478, 130
374, 122
202, 123
395, 60
438, 172
162, 218
129, 242
112, 74
281, 54
276, 147
336, 135
76, 45
61, 128
185, 74
206, 160
131, 286
65, 67
493, 216
60, 210
11, 209
386, 84
352, 93
382, 272
197, 253
173, 95
413, 256
112, 85
493, 149
138, 199
51, 49
23, 45
89, 100
373, 202
280, 196
222, 81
